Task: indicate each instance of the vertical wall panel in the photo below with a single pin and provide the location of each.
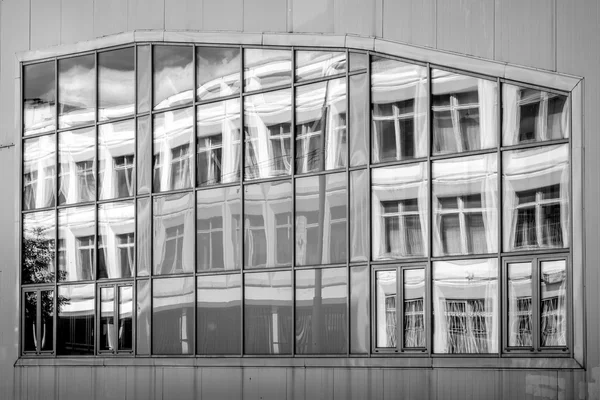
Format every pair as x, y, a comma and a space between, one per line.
143, 378
145, 14
462, 384
75, 383
110, 16
265, 383
410, 21
76, 21
178, 383
313, 15
265, 16
45, 23
318, 383
183, 14
355, 17
216, 384
406, 384
466, 27
223, 15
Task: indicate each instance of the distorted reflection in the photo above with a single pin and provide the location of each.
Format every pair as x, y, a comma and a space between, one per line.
142, 328
553, 303
318, 64
465, 205
465, 112
47, 320
399, 198
76, 91
173, 150
39, 98
321, 142
173, 76
465, 306
532, 115
268, 313
399, 94
268, 225
107, 319
321, 203
144, 78
116, 240
143, 236
359, 310
116, 147
218, 72
358, 61
30, 322
39, 172
359, 121
77, 166
386, 310
38, 247
173, 238
75, 330
124, 323
173, 316
414, 308
536, 198
116, 84
359, 216
38, 337
264, 68
267, 134
520, 307
76, 243
219, 314
218, 147
144, 152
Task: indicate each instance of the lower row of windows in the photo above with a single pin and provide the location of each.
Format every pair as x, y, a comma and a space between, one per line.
318, 309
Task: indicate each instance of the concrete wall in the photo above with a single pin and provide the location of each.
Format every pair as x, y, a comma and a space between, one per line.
554, 35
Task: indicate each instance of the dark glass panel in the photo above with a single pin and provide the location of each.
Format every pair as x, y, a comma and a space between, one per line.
318, 64
321, 219
47, 328
107, 319
75, 332
173, 245
359, 122
143, 236
217, 72
30, 322
116, 240
553, 303
144, 79
264, 68
359, 310
116, 148
267, 134
38, 247
173, 76
76, 91
77, 166
39, 172
125, 324
520, 306
76, 243
173, 316
321, 312
142, 329
386, 293
358, 61
39, 98
414, 308
219, 314
116, 83
359, 215
268, 225
268, 313
218, 229
321, 142
144, 155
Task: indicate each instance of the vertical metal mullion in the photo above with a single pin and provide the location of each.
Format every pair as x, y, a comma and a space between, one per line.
151, 205
293, 173
400, 309
20, 302
501, 271
428, 303
348, 203
135, 205
38, 321
195, 194
97, 197
535, 303
241, 237
56, 196
369, 133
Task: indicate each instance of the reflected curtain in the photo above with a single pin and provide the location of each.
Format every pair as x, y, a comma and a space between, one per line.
489, 203
487, 113
510, 114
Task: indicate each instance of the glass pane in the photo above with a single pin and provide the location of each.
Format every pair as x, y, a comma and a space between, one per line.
218, 146
116, 240
531, 115
268, 225
321, 142
75, 332
173, 76
116, 148
173, 316
76, 243
173, 222
217, 72
268, 313
218, 229
465, 205
219, 314
359, 215
267, 134
318, 64
39, 172
359, 123
321, 219
359, 310
76, 91
143, 317
39, 98
321, 298
386, 289
77, 166
116, 84
553, 303
536, 189
107, 319
264, 68
358, 61
399, 108
465, 306
38, 247
144, 151
520, 306
173, 150
144, 84
125, 327
47, 329
399, 198
144, 238
465, 112
30, 322
414, 308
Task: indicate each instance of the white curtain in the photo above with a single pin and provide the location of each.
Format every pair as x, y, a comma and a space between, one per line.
510, 114
488, 113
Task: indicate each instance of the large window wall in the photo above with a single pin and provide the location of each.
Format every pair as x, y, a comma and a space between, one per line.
186, 200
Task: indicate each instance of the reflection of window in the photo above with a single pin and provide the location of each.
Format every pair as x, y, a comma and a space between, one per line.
280, 142
123, 167
85, 179
209, 160
539, 115
173, 259
462, 227
157, 173
210, 243
337, 234
394, 130
391, 320
85, 253
414, 323
520, 324
552, 322
537, 218
256, 241
283, 232
180, 166
309, 145
402, 227
307, 226
456, 122
467, 326
125, 250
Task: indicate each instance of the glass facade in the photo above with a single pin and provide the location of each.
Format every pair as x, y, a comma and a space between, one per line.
182, 200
